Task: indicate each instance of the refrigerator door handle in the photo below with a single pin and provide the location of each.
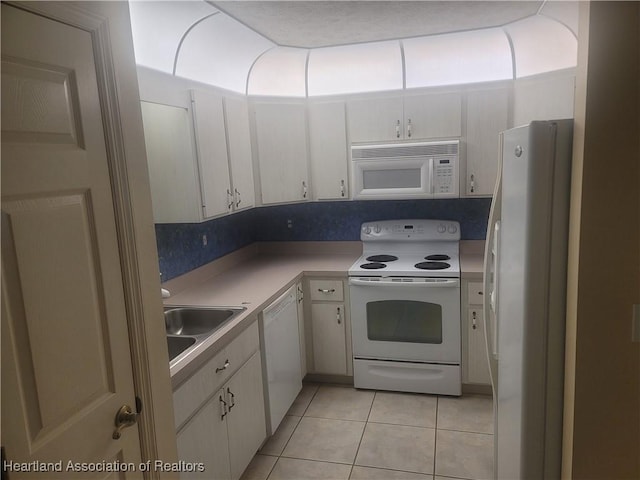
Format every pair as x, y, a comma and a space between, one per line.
494, 293
490, 261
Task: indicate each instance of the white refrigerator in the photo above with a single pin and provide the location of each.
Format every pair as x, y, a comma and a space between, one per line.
525, 275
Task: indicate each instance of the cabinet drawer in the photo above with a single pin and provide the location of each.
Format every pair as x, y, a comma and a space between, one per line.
475, 294
205, 382
242, 348
328, 290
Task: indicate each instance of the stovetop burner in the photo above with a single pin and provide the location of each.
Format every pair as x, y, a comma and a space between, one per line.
432, 265
414, 248
383, 258
437, 257
373, 266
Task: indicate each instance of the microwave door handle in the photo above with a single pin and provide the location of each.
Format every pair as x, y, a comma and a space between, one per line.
431, 186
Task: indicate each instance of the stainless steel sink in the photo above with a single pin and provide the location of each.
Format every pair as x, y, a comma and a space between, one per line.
196, 320
177, 345
187, 327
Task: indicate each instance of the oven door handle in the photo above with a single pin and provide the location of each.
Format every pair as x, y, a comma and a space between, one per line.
427, 283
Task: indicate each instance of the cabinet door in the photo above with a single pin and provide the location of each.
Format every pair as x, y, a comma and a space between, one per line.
173, 173
281, 133
240, 160
477, 368
486, 117
375, 120
328, 147
246, 418
204, 440
432, 116
329, 341
211, 145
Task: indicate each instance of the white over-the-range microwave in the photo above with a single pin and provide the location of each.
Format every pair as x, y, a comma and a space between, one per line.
405, 170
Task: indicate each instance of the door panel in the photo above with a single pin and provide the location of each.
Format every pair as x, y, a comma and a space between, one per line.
43, 322
66, 364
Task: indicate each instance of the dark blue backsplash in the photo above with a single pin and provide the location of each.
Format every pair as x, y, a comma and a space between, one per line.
180, 246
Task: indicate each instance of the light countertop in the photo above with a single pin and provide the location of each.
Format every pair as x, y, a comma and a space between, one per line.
255, 276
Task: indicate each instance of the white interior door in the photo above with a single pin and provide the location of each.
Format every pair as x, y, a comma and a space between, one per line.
66, 363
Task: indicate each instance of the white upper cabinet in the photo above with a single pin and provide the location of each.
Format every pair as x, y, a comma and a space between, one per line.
173, 171
433, 116
211, 144
328, 150
281, 136
405, 118
375, 119
487, 116
198, 150
240, 160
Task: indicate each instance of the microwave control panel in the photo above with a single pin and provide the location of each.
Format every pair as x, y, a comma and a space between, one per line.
445, 178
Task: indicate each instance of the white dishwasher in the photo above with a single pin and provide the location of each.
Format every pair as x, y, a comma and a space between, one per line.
282, 356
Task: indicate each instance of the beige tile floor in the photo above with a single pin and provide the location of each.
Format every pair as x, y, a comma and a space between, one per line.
340, 433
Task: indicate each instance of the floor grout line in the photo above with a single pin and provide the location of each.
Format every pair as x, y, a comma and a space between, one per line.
352, 465
363, 431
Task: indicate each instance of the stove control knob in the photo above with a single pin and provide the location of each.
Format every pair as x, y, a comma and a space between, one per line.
452, 228
377, 229
367, 230
442, 228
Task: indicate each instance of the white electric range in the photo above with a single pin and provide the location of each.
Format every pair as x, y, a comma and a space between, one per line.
405, 307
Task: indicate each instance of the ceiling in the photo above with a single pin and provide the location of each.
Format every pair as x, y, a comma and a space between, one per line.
312, 24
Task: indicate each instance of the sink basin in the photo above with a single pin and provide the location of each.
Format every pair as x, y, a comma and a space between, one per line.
177, 345
197, 320
188, 327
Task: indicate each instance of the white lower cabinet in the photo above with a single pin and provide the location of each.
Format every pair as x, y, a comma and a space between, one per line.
329, 344
204, 440
329, 328
245, 415
476, 366
228, 425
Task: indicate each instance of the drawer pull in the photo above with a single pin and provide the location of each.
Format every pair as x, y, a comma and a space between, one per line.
226, 365
327, 290
338, 316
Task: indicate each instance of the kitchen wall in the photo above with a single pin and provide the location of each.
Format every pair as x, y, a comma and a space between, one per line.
181, 247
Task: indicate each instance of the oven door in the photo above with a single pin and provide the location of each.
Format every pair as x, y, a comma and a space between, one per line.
406, 319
